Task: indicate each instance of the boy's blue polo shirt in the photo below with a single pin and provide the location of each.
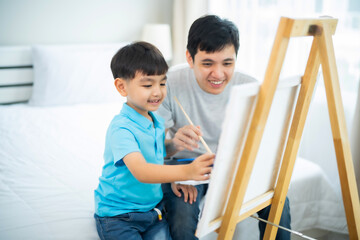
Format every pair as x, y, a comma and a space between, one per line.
119, 191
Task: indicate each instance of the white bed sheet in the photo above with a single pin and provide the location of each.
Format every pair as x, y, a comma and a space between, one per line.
51, 158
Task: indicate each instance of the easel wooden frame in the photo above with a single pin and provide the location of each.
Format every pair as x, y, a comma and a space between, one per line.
322, 52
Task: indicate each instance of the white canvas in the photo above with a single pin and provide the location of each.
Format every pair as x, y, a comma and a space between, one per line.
237, 120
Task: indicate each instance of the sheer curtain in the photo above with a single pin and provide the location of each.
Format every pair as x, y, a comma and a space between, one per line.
185, 12
257, 21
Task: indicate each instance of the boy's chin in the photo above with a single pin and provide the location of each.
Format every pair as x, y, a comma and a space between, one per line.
153, 108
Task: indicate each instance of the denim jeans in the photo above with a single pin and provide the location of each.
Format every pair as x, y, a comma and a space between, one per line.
133, 226
183, 217
285, 221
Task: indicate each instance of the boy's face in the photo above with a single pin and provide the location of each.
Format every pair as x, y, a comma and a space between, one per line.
213, 71
144, 93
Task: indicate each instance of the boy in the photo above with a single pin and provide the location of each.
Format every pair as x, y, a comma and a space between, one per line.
128, 198
204, 85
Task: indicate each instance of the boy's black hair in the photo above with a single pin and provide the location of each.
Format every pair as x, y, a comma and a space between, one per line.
138, 57
211, 34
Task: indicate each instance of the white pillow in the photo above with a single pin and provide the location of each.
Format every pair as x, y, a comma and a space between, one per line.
70, 74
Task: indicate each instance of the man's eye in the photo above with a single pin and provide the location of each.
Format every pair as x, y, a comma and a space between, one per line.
206, 64
228, 64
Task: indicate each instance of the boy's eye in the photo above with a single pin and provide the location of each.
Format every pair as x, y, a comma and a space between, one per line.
162, 84
147, 86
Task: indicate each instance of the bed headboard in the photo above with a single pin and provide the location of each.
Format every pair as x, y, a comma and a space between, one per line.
16, 74
55, 74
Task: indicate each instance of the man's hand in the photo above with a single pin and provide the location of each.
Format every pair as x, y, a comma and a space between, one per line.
189, 191
187, 137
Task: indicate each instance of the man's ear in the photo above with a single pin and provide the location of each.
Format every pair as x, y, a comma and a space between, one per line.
120, 85
189, 59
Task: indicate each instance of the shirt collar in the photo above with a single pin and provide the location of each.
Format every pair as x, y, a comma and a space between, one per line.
140, 119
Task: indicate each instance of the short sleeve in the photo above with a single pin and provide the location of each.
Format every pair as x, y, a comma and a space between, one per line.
122, 142
165, 110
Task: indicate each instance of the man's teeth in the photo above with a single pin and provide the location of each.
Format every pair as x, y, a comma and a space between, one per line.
216, 82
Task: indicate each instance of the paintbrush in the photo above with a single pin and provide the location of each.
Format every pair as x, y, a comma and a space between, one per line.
191, 123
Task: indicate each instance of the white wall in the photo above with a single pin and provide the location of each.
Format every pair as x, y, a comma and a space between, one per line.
24, 22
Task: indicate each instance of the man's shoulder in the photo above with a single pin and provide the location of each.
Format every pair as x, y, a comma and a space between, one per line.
240, 77
179, 67
180, 77
178, 71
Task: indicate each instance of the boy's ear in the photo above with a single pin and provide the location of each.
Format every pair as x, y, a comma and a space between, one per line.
120, 85
189, 59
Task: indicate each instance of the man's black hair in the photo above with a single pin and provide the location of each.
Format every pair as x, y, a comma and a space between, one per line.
138, 57
211, 34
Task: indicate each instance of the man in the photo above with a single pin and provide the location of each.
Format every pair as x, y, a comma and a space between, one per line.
203, 88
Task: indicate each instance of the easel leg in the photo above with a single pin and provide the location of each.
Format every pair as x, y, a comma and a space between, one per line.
293, 142
340, 136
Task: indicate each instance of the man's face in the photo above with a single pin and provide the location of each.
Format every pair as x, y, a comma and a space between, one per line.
213, 71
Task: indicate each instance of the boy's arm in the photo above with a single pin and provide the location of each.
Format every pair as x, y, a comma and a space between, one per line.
156, 173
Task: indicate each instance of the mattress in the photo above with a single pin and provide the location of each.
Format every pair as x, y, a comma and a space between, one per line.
50, 161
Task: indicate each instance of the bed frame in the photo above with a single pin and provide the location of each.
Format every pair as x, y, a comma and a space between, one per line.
16, 74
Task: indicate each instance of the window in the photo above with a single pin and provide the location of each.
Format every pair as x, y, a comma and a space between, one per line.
258, 21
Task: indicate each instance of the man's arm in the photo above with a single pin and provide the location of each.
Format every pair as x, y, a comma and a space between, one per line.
170, 148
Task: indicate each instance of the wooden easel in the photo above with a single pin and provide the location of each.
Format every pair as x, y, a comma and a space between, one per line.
322, 52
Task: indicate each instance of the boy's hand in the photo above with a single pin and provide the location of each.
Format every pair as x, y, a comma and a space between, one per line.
200, 168
189, 191
187, 138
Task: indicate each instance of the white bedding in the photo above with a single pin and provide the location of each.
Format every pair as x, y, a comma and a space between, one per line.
50, 160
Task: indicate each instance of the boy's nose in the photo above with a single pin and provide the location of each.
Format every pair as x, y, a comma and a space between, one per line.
156, 91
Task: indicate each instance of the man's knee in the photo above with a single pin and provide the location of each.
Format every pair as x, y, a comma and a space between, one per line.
180, 209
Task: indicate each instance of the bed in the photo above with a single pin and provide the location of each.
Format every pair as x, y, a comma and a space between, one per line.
57, 103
